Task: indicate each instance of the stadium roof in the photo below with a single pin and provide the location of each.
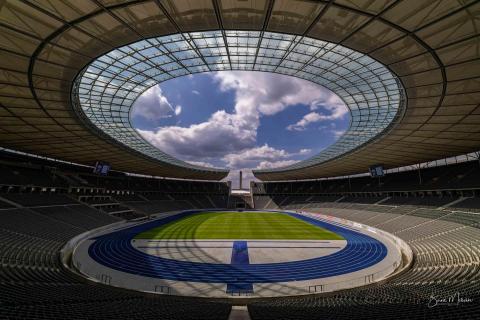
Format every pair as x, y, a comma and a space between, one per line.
107, 89
417, 102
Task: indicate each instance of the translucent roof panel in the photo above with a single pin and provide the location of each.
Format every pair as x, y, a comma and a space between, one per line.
104, 92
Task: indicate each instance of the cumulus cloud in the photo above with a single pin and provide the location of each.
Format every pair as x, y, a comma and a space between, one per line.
305, 121
231, 137
261, 157
248, 158
247, 174
275, 164
153, 105
178, 110
338, 133
333, 108
222, 133
269, 93
202, 163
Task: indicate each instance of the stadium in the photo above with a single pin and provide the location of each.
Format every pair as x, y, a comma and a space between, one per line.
239, 159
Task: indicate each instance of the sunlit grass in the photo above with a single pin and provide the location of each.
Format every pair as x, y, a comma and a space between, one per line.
239, 225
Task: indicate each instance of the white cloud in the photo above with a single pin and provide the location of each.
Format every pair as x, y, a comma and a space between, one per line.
257, 158
222, 133
153, 105
275, 164
254, 92
271, 93
261, 157
335, 108
338, 133
195, 92
202, 163
249, 157
231, 137
178, 110
305, 121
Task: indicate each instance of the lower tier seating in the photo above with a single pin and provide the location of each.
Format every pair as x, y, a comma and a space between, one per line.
35, 285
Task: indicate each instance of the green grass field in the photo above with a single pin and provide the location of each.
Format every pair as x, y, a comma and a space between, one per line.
240, 226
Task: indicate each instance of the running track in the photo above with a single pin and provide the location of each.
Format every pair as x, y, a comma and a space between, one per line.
115, 251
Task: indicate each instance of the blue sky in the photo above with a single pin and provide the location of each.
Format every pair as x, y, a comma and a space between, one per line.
240, 120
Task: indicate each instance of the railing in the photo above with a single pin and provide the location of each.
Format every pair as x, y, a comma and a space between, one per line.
322, 287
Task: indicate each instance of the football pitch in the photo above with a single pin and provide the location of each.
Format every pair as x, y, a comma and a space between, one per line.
245, 225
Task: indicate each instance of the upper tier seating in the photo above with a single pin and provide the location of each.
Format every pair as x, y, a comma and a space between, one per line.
33, 176
38, 199
465, 175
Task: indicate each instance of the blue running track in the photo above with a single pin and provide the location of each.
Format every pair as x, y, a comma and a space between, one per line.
115, 251
240, 257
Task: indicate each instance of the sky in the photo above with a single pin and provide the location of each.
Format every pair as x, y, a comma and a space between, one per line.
240, 120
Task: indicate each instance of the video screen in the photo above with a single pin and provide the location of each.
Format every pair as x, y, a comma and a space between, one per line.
377, 171
101, 168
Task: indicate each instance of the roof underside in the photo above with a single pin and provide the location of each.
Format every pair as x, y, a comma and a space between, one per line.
106, 91
432, 46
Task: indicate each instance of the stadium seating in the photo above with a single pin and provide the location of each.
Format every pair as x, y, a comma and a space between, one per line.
460, 176
36, 219
35, 285
445, 240
38, 199
447, 262
41, 210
